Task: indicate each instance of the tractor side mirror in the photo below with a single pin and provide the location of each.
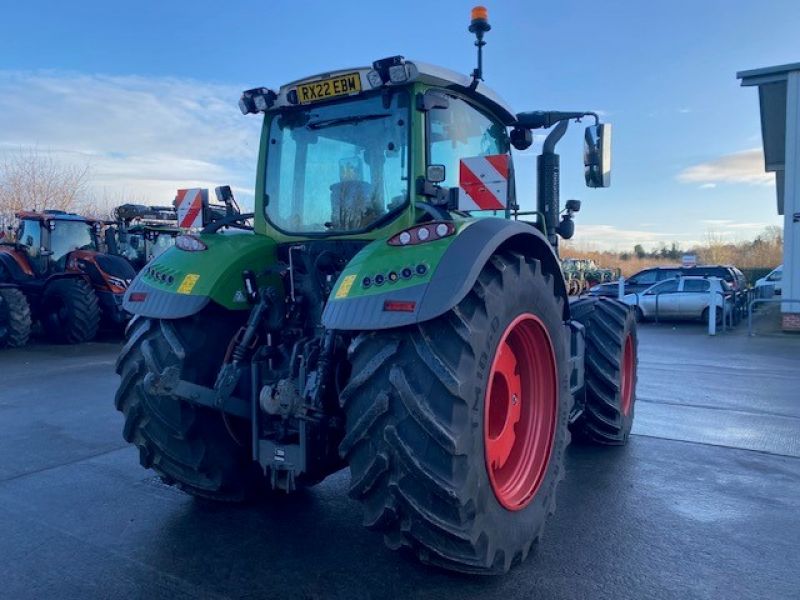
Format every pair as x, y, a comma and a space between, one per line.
224, 193
597, 155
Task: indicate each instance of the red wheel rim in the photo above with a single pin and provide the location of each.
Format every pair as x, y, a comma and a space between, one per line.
626, 383
520, 411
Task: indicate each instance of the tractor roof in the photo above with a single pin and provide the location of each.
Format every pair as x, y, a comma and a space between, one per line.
419, 71
53, 215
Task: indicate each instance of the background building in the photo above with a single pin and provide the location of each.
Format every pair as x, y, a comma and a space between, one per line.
779, 98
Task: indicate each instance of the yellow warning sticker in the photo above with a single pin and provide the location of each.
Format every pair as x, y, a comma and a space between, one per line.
344, 287
188, 283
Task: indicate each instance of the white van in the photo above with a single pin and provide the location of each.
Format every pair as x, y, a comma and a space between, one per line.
774, 279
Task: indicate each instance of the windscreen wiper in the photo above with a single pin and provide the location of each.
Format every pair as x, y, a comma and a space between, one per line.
322, 124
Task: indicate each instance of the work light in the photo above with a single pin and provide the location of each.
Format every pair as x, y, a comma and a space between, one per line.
190, 243
256, 100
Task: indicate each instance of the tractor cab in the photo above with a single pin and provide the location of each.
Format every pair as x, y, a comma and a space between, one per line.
366, 151
49, 237
143, 232
359, 151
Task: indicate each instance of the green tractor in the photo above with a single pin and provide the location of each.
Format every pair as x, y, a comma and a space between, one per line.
581, 274
143, 232
140, 232
389, 313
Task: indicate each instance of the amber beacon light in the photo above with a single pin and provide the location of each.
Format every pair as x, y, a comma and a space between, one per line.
479, 13
479, 24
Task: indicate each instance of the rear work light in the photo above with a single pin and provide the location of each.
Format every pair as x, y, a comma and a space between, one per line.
419, 234
190, 243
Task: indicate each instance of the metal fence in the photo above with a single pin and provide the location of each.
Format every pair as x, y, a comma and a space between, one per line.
729, 319
754, 301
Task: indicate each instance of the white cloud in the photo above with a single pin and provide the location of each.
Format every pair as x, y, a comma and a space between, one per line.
729, 226
740, 167
142, 137
610, 237
708, 186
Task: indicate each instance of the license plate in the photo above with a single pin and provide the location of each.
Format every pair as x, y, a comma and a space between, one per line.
340, 85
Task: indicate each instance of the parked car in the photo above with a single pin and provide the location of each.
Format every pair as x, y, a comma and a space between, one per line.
647, 277
774, 279
684, 297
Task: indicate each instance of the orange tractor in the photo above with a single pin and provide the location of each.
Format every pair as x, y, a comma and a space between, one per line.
71, 286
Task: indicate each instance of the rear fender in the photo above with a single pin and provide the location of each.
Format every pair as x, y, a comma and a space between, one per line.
451, 266
107, 272
15, 263
178, 283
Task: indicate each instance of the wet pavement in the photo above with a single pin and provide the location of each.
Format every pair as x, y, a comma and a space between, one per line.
703, 503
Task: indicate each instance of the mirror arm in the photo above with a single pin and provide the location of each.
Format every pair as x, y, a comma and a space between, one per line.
544, 119
554, 137
439, 195
548, 183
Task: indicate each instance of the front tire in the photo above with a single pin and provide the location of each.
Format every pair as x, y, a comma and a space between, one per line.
187, 445
15, 318
611, 362
441, 461
70, 311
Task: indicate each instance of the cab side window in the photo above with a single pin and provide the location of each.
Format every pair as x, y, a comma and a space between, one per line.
30, 235
461, 131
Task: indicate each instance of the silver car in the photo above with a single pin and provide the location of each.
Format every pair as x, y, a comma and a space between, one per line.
686, 297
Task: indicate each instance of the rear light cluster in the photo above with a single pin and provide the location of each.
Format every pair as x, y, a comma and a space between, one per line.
394, 276
190, 243
419, 234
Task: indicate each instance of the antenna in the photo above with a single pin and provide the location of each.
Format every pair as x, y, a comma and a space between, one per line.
479, 25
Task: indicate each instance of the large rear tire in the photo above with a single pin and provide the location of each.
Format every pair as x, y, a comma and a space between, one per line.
187, 445
70, 311
15, 318
456, 428
611, 365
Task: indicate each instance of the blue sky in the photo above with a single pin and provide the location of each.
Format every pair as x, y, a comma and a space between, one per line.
146, 92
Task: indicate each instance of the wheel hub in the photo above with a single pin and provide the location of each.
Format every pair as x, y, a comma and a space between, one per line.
504, 407
521, 408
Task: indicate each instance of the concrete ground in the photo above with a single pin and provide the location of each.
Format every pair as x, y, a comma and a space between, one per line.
703, 503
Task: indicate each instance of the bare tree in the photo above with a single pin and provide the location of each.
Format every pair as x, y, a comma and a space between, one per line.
31, 180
